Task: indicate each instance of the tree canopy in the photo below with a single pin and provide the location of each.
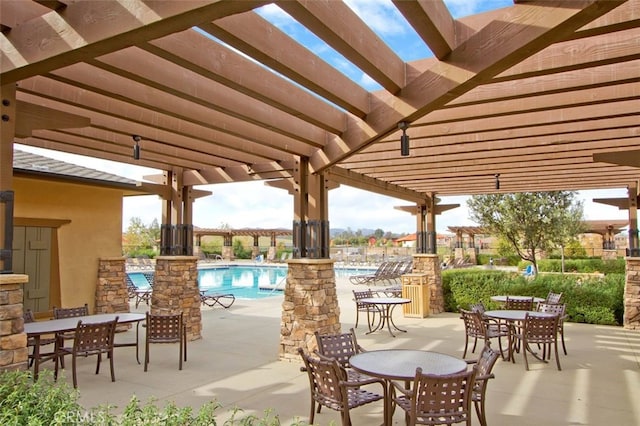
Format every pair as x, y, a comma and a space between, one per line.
141, 239
532, 222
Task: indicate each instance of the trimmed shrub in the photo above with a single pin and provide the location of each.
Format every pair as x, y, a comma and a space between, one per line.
585, 266
590, 300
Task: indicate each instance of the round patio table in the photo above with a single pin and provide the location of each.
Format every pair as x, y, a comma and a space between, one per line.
503, 298
385, 306
401, 364
511, 317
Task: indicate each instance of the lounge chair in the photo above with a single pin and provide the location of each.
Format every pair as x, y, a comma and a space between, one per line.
382, 271
212, 299
137, 294
143, 295
150, 277
401, 268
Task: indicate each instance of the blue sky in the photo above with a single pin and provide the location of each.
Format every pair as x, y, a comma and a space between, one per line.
256, 205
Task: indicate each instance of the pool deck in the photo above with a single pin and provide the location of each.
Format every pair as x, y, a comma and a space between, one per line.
236, 363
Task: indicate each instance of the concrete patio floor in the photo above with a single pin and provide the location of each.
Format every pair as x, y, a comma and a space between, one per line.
236, 363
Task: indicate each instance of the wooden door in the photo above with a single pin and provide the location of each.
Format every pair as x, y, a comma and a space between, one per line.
32, 257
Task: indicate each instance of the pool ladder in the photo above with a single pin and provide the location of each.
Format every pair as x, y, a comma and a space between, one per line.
277, 286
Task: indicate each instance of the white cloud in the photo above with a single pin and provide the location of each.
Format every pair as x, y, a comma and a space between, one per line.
381, 15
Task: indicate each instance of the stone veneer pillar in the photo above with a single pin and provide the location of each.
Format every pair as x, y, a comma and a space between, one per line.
429, 264
176, 290
631, 319
227, 252
13, 340
310, 304
111, 290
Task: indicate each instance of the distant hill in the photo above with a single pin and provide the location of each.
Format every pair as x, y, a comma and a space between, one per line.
336, 231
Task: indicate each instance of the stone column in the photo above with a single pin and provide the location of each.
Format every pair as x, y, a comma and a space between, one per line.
176, 290
255, 249
471, 254
111, 289
429, 264
631, 319
13, 340
310, 304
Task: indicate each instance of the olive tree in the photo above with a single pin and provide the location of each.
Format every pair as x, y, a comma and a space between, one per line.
532, 222
140, 238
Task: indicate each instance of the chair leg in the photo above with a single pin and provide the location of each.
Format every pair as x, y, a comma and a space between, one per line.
313, 410
98, 363
55, 370
524, 353
346, 419
113, 375
564, 348
180, 354
146, 356
466, 344
185, 342
60, 342
73, 367
500, 347
555, 345
357, 315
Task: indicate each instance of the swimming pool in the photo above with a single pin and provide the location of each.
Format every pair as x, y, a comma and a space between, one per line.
245, 282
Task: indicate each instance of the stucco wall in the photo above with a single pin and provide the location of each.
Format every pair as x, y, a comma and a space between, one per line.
94, 231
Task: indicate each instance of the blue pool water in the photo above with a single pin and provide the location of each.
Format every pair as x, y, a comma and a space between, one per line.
245, 282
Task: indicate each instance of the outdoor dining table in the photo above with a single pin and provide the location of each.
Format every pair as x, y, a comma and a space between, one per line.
39, 328
401, 364
385, 306
514, 319
503, 298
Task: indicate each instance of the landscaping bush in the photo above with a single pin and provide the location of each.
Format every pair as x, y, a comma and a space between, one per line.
590, 300
44, 402
47, 402
585, 266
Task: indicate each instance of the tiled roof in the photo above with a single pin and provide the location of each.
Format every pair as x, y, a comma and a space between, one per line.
33, 163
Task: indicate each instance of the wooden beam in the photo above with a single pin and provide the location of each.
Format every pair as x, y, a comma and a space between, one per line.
88, 29
31, 117
621, 158
286, 184
163, 191
433, 23
259, 39
213, 61
440, 208
526, 29
342, 29
620, 203
368, 184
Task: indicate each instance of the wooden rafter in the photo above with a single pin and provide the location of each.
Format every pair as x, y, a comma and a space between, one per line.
544, 93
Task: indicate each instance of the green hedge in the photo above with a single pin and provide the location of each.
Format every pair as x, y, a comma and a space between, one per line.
589, 300
586, 266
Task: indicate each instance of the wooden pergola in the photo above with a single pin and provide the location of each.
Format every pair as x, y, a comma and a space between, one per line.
538, 96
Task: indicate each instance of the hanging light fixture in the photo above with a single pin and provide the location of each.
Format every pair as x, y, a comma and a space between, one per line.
497, 180
404, 139
136, 147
